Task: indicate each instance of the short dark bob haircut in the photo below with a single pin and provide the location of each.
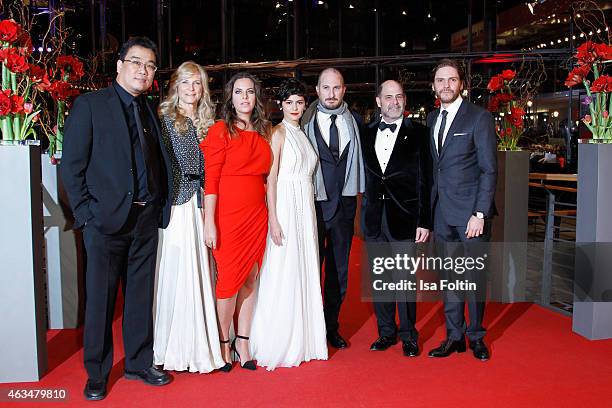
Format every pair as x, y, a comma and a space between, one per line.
290, 86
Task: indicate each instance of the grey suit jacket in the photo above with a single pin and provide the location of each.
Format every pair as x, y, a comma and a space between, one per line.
465, 171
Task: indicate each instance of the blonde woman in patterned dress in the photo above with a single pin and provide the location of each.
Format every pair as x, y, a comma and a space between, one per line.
288, 323
186, 335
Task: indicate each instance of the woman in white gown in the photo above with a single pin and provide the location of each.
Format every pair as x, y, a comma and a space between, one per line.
186, 335
288, 323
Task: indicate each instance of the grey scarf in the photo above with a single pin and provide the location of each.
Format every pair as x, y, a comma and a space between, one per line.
339, 111
354, 181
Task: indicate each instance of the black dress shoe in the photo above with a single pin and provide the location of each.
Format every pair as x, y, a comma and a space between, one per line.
410, 348
480, 350
95, 390
383, 343
151, 376
336, 340
448, 347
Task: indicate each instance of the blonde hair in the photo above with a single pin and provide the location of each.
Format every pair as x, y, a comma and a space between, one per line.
205, 111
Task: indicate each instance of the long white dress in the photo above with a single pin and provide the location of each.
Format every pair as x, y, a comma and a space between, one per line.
288, 323
186, 336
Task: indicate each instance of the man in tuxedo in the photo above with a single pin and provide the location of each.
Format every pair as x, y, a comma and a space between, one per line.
396, 206
334, 133
115, 171
464, 152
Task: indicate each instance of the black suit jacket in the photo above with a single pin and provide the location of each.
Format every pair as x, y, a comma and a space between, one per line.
96, 167
465, 171
404, 188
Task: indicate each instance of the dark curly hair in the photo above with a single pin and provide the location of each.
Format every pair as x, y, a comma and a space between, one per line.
290, 86
258, 117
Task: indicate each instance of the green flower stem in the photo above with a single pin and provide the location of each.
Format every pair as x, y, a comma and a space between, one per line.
591, 108
5, 77
59, 135
13, 77
7, 129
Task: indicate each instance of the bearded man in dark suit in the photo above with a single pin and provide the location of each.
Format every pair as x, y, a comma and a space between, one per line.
464, 152
396, 206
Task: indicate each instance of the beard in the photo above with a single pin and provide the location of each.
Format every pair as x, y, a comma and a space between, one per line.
393, 113
448, 97
332, 104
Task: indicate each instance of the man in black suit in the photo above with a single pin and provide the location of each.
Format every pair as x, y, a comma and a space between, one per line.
115, 171
464, 151
396, 206
333, 131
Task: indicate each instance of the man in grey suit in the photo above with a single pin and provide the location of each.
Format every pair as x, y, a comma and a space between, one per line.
464, 152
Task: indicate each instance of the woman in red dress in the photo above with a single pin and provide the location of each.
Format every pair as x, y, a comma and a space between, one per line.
237, 159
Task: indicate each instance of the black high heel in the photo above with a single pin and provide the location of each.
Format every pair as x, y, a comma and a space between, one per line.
228, 366
249, 365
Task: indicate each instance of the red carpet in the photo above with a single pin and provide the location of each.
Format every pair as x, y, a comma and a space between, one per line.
536, 361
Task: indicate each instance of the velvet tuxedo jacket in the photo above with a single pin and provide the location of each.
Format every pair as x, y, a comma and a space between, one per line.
403, 190
465, 171
97, 168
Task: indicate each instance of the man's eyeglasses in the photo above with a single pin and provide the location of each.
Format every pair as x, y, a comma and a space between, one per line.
138, 64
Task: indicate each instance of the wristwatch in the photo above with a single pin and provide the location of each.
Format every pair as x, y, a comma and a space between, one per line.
479, 215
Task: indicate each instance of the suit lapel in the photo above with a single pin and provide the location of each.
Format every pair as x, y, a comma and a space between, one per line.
402, 138
453, 127
115, 107
370, 147
432, 126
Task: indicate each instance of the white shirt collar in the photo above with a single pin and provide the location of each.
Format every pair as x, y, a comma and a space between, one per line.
453, 107
398, 122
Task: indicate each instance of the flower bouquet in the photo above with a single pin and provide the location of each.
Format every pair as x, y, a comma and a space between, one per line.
593, 57
17, 108
510, 110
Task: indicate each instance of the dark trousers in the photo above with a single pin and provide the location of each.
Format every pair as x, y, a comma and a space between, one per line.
385, 311
454, 302
335, 239
128, 255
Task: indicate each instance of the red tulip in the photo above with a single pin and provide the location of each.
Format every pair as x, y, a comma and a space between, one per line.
16, 62
586, 53
600, 84
16, 103
5, 102
62, 91
9, 30
28, 107
508, 74
603, 51
70, 65
495, 84
577, 75
504, 98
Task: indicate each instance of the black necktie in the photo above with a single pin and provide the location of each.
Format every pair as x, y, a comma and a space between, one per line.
334, 140
384, 125
441, 130
147, 146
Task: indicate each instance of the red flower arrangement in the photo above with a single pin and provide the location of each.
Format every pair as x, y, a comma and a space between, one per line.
592, 57
511, 111
15, 48
24, 83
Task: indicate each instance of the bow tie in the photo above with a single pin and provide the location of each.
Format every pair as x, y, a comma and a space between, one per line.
383, 125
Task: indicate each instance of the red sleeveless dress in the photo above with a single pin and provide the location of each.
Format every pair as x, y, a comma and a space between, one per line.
235, 170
